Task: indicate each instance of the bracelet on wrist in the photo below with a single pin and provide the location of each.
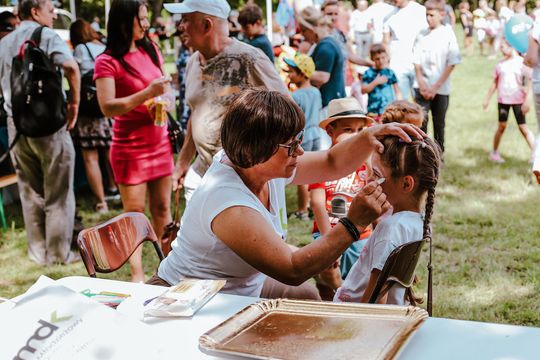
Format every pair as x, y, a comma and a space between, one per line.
350, 227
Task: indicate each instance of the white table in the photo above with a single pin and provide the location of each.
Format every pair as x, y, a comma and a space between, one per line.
437, 338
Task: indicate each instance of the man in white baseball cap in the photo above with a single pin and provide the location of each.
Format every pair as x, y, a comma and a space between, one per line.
217, 8
219, 68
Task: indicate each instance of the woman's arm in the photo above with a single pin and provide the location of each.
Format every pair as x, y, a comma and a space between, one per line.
318, 205
422, 84
249, 235
319, 78
527, 89
531, 58
379, 80
357, 59
347, 156
442, 79
73, 76
490, 92
112, 106
397, 91
371, 286
185, 157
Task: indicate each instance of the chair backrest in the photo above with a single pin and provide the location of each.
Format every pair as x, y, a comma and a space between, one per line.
106, 247
398, 268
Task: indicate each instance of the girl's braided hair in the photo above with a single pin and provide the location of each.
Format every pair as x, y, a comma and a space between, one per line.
397, 110
420, 159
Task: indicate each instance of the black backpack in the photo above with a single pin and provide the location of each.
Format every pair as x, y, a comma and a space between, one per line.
3, 113
37, 99
89, 103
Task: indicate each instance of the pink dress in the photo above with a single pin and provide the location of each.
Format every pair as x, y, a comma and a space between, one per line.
140, 151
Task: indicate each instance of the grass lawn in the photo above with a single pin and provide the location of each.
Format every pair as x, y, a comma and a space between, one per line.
486, 226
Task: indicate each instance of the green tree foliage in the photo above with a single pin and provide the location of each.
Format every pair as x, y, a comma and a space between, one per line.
88, 9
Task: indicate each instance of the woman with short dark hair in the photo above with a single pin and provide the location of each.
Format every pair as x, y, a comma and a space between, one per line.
235, 225
127, 75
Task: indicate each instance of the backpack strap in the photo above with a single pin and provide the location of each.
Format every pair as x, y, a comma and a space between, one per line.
89, 52
36, 35
35, 40
5, 155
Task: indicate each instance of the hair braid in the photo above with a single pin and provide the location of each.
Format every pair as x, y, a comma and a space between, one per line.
430, 202
398, 110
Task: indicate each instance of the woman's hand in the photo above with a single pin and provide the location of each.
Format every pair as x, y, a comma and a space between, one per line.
403, 131
158, 87
179, 174
368, 205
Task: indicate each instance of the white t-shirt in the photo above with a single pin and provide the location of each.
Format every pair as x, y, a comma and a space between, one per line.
536, 15
505, 13
198, 253
83, 58
393, 231
434, 50
479, 21
379, 13
359, 21
403, 28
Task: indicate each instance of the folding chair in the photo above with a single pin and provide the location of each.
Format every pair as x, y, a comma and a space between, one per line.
106, 247
399, 268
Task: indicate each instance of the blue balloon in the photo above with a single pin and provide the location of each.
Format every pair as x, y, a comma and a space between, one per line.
516, 32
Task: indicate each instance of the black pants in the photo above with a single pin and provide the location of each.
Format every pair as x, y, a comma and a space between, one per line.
504, 111
438, 106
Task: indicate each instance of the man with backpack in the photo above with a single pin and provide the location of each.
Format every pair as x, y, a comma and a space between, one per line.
32, 60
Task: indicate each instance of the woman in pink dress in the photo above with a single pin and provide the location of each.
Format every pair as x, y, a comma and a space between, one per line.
128, 74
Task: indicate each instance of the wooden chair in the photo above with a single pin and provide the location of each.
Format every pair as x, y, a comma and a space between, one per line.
106, 247
5, 181
399, 268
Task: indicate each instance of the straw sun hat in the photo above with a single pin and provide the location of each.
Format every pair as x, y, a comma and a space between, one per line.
343, 109
311, 17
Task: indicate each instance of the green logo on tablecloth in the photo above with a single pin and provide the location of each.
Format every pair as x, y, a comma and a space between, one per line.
55, 319
43, 332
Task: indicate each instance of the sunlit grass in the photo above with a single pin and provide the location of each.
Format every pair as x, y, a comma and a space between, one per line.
486, 223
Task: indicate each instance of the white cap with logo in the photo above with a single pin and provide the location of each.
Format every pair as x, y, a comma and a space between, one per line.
217, 8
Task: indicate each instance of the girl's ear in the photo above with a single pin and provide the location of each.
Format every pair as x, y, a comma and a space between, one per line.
408, 183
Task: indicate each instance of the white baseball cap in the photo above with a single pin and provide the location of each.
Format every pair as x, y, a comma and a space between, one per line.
217, 8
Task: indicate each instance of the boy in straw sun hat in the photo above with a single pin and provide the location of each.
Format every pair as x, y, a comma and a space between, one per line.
308, 98
330, 200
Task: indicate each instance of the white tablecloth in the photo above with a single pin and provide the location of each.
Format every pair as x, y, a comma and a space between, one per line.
437, 338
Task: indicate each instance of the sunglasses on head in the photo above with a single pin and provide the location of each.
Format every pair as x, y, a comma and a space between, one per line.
294, 144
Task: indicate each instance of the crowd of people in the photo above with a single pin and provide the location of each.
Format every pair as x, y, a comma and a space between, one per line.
259, 114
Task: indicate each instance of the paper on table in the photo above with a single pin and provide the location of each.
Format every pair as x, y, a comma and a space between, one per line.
53, 322
184, 298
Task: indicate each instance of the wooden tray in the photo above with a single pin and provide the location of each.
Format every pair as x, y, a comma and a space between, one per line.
293, 329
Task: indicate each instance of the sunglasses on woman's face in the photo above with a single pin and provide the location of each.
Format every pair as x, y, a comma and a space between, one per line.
294, 144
